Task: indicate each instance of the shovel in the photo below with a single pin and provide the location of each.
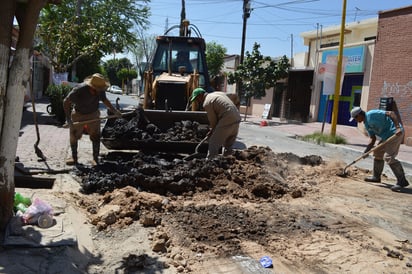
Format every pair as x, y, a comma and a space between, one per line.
98, 119
94, 120
194, 155
363, 156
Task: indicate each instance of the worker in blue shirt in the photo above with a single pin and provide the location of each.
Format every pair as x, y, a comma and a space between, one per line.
383, 124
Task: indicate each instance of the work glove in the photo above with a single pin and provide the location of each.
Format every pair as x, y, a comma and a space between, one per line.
69, 121
116, 112
369, 147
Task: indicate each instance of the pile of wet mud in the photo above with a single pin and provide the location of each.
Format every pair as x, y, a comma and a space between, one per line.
245, 173
136, 126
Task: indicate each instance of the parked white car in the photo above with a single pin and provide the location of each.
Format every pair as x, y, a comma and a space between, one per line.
115, 89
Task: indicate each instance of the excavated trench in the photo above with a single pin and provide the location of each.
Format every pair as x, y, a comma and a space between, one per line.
245, 171
254, 202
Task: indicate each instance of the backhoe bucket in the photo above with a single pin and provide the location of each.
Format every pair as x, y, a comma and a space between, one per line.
164, 120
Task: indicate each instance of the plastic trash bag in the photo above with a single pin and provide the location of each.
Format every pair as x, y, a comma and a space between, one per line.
35, 210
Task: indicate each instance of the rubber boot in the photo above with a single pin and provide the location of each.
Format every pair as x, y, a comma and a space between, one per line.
377, 171
73, 160
96, 152
400, 176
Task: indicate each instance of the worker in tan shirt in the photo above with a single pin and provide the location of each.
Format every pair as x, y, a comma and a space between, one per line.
82, 104
224, 120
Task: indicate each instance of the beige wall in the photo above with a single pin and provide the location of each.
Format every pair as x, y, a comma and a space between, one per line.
355, 34
230, 64
257, 105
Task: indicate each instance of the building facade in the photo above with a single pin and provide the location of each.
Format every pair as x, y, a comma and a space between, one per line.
40, 70
391, 75
358, 52
377, 71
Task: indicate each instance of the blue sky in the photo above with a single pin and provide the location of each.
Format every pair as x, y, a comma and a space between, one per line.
275, 25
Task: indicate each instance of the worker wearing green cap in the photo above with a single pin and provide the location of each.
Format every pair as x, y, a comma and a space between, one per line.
224, 120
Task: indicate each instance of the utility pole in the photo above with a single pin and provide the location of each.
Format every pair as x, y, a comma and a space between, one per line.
246, 15
182, 18
338, 73
291, 50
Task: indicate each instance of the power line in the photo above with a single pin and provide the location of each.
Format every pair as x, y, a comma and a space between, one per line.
265, 5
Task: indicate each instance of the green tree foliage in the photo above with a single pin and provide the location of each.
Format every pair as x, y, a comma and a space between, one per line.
113, 66
258, 73
93, 28
215, 55
126, 75
85, 67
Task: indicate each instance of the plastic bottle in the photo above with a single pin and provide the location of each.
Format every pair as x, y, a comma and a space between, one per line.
20, 199
22, 207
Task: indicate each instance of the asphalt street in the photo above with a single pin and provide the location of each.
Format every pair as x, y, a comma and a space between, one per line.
286, 139
283, 136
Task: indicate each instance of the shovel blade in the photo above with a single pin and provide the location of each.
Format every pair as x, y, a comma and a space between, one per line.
196, 155
342, 173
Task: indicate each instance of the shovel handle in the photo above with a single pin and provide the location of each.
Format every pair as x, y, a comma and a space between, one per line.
89, 121
189, 157
379, 146
363, 156
201, 142
94, 120
100, 118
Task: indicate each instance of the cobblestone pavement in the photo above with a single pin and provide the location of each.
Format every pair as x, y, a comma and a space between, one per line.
53, 143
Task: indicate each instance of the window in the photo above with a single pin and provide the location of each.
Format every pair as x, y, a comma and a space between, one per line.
332, 44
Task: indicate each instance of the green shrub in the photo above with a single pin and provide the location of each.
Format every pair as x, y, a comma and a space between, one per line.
320, 138
56, 93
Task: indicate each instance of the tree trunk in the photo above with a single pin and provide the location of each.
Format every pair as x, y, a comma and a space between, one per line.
247, 108
17, 76
6, 24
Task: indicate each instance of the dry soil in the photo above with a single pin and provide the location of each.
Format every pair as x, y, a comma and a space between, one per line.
196, 216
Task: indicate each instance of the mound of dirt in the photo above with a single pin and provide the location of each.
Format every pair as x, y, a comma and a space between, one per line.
253, 203
253, 173
200, 204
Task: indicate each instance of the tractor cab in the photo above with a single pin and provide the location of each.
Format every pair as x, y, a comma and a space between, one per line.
178, 67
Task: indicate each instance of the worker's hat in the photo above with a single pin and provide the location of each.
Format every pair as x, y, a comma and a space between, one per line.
97, 82
196, 92
354, 112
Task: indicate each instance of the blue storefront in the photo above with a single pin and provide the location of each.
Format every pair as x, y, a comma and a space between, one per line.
351, 88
